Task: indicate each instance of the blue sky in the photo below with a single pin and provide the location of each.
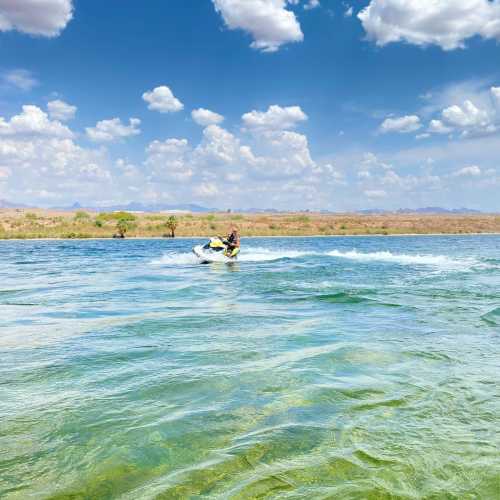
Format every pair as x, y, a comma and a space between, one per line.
251, 103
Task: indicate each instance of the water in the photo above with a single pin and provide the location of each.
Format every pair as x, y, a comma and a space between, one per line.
353, 368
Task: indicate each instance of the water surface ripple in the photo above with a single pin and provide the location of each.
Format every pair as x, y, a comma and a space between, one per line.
353, 368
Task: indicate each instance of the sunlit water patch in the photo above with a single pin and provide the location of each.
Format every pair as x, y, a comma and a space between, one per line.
312, 367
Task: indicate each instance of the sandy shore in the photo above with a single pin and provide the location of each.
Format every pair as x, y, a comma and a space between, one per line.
46, 224
161, 238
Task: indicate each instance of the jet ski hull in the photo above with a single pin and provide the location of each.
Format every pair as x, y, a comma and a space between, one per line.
214, 251
207, 256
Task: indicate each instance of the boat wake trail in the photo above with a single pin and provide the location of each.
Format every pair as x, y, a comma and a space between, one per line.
259, 254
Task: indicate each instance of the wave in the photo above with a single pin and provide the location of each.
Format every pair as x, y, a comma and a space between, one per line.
492, 317
259, 254
247, 255
405, 259
177, 259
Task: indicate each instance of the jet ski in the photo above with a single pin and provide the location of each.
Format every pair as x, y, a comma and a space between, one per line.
216, 250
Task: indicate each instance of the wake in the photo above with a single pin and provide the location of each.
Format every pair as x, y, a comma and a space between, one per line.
259, 254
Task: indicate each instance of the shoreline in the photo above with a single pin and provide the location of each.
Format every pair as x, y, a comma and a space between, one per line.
47, 225
148, 238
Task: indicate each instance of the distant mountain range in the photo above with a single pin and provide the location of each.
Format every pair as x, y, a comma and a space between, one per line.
141, 207
8, 204
190, 207
425, 210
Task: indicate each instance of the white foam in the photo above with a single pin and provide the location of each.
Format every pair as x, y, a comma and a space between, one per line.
259, 254
177, 259
405, 259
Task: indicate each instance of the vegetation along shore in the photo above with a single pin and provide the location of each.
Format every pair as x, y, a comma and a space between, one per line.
39, 223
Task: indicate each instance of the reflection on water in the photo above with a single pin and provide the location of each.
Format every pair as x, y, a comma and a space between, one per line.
323, 368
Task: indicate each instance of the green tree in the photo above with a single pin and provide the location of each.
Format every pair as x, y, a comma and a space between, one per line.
122, 226
81, 216
120, 215
172, 224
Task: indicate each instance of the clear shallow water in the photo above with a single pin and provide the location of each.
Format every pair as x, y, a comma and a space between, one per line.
313, 368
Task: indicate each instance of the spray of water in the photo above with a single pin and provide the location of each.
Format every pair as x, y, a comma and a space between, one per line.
259, 254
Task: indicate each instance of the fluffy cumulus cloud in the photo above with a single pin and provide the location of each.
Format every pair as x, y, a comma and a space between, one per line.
438, 127
42, 163
45, 169
218, 147
168, 160
112, 130
33, 121
205, 117
275, 118
478, 113
60, 110
163, 100
266, 163
257, 163
446, 23
471, 171
35, 17
269, 22
20, 78
463, 110
465, 116
402, 125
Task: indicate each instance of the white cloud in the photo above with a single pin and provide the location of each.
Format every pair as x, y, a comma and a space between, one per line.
469, 108
375, 193
311, 4
349, 11
438, 127
20, 78
35, 17
467, 115
60, 110
113, 129
268, 21
471, 171
402, 125
168, 147
495, 93
446, 23
163, 100
33, 121
206, 190
285, 154
218, 147
205, 117
275, 118
46, 167
168, 160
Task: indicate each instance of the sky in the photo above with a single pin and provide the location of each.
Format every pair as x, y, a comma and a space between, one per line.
285, 104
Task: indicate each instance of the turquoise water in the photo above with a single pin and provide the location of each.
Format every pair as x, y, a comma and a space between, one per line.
352, 368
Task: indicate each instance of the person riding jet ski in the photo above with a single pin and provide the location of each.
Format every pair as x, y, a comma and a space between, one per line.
233, 243
219, 249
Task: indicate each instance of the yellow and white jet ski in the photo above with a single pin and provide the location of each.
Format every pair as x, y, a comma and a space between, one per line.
216, 250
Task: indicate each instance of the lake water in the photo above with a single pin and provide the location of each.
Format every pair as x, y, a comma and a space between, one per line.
346, 368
